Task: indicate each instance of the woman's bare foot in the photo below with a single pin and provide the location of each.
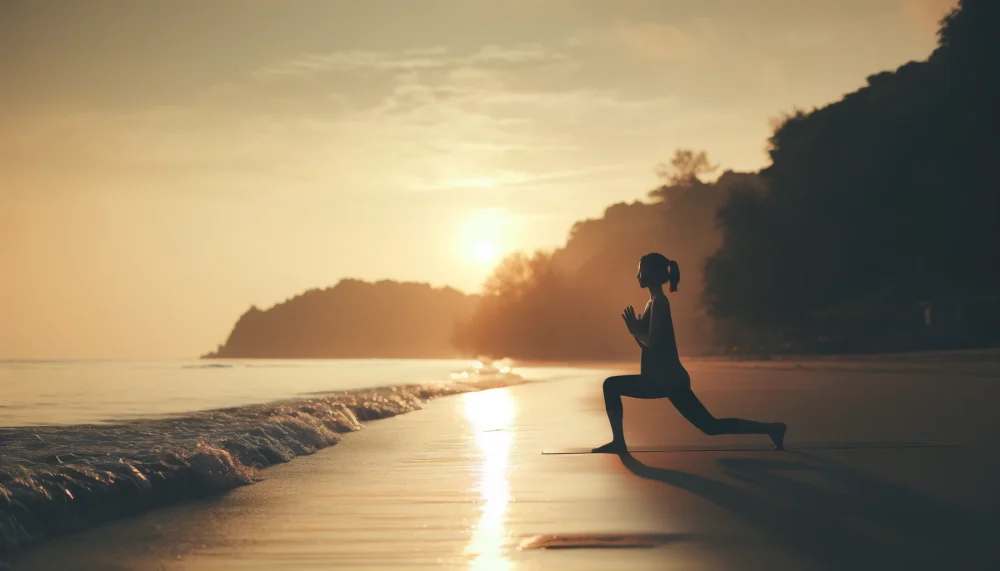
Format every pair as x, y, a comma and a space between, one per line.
778, 435
613, 447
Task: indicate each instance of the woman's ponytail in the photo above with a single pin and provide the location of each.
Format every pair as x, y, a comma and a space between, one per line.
673, 274
661, 268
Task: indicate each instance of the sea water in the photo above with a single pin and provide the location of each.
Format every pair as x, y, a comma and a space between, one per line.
81, 392
87, 441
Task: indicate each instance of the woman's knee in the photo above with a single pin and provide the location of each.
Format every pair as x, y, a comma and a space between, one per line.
710, 427
611, 386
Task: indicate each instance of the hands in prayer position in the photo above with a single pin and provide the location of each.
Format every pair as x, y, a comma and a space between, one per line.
631, 321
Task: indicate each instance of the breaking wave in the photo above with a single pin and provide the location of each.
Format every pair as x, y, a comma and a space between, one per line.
58, 479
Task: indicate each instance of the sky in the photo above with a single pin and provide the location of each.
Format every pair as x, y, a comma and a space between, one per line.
166, 164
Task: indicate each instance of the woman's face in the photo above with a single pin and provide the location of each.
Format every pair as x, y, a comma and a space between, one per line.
641, 277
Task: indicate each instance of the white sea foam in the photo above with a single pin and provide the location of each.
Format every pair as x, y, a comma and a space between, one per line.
56, 479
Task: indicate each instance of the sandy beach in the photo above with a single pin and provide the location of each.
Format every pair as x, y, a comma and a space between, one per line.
462, 484
340, 285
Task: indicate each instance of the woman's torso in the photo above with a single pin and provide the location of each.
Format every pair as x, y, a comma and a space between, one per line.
662, 361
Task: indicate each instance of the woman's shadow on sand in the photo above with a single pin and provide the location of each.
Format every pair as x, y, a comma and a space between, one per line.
854, 522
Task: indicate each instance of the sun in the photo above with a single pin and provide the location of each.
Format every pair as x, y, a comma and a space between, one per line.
482, 237
485, 252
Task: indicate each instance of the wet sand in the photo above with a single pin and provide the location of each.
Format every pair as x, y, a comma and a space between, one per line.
462, 484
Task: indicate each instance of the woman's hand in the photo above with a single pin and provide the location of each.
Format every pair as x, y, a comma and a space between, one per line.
631, 321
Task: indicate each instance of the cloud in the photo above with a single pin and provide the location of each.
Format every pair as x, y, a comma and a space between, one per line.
404, 60
357, 120
514, 179
494, 114
655, 41
927, 13
658, 41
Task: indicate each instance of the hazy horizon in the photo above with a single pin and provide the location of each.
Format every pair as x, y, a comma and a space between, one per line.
166, 165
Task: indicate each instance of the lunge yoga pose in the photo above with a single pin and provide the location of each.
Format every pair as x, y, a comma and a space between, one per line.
661, 373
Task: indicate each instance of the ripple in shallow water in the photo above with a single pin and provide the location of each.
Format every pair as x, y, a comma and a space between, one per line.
57, 479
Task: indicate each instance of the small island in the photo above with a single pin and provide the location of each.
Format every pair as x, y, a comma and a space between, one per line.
352, 320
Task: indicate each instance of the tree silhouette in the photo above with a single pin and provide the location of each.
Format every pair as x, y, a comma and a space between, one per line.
353, 319
876, 206
684, 172
565, 304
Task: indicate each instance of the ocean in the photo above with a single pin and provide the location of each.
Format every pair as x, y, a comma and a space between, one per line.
83, 442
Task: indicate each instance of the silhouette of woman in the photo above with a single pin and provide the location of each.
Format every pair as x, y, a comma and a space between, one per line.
661, 373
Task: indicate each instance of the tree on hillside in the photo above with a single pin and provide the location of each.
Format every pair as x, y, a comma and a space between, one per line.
517, 273
875, 205
567, 304
685, 171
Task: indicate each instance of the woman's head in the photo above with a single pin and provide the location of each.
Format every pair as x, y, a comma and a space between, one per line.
656, 269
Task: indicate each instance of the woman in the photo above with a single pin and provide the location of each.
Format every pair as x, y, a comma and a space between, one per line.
662, 374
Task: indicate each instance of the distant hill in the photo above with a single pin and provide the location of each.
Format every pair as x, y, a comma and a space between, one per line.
566, 304
353, 319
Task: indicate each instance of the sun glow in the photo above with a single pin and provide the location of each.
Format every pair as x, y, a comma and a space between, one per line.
485, 252
483, 236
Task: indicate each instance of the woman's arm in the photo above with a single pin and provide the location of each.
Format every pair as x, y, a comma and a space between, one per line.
643, 325
651, 336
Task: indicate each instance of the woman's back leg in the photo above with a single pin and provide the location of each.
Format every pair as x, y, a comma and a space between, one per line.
688, 404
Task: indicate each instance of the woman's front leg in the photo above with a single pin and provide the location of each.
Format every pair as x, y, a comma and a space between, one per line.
614, 388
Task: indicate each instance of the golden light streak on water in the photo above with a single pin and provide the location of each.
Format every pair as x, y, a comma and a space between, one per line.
491, 413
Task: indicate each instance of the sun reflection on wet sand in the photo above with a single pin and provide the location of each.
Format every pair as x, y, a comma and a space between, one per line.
491, 413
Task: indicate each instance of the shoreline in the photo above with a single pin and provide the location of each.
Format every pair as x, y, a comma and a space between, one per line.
915, 357
462, 484
57, 480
